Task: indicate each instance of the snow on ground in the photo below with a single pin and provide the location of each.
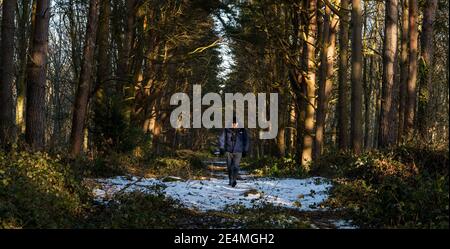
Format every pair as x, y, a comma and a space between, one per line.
343, 224
216, 194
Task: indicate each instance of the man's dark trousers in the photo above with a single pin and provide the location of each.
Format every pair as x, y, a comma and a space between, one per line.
233, 161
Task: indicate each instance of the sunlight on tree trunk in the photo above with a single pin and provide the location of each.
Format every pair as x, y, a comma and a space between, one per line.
356, 79
310, 81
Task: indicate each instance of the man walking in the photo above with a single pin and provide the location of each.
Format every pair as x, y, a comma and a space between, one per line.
234, 143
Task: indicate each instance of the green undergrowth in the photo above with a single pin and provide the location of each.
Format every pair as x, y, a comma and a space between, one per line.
138, 210
403, 187
182, 163
38, 190
275, 167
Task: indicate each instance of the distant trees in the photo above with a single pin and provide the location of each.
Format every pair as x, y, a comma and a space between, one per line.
372, 68
98, 75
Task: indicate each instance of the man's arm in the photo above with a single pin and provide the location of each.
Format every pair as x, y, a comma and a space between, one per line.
222, 140
246, 140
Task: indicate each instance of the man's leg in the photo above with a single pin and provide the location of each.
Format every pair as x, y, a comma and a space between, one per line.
229, 158
235, 167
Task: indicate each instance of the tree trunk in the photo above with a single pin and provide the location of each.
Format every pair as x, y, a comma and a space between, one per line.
281, 137
356, 78
310, 81
103, 90
366, 91
104, 68
325, 82
7, 120
74, 40
368, 111
412, 69
85, 79
23, 41
124, 63
320, 115
403, 69
36, 77
426, 63
342, 106
387, 134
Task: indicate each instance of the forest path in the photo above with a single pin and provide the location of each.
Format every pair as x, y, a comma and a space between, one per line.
301, 198
313, 191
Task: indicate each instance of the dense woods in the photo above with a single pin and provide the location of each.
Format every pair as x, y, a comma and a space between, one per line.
93, 64
87, 80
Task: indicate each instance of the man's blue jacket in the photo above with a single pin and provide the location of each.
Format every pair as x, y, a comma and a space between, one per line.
234, 140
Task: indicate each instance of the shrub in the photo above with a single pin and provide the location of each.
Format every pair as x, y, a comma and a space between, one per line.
168, 166
112, 130
138, 210
277, 167
195, 159
38, 191
402, 187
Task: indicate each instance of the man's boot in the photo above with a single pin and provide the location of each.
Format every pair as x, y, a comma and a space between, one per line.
233, 183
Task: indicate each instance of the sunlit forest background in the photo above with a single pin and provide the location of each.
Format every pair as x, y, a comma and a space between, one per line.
85, 91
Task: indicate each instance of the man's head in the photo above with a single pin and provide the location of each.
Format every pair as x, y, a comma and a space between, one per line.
235, 123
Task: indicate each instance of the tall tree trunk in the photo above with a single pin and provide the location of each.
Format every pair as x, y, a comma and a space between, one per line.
426, 63
412, 69
74, 40
366, 91
137, 66
325, 82
310, 81
104, 62
387, 134
23, 40
281, 138
104, 89
85, 79
403, 69
378, 73
124, 63
36, 77
368, 111
7, 119
296, 78
320, 114
356, 78
342, 106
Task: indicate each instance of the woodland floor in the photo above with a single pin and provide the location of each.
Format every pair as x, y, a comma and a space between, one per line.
276, 202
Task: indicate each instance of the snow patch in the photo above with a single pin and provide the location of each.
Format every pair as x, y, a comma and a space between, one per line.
344, 224
216, 194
